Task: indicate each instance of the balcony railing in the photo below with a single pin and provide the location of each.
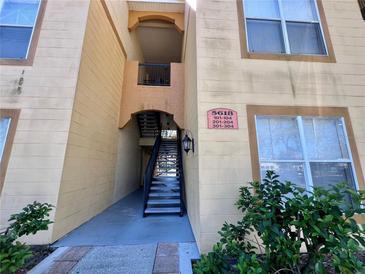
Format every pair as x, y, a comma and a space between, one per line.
154, 74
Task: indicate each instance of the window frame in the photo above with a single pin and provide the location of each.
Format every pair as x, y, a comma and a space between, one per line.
245, 53
14, 115
28, 61
260, 110
306, 161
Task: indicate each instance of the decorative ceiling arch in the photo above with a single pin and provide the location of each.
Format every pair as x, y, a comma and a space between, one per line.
125, 120
137, 17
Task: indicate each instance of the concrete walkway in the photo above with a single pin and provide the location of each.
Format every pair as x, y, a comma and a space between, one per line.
123, 224
120, 240
133, 259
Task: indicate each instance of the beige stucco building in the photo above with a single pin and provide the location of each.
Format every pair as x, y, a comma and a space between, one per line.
79, 107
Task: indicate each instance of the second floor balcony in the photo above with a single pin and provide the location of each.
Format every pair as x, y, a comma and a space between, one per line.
153, 87
154, 74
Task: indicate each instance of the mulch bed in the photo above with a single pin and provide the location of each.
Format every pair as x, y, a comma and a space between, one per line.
331, 270
40, 252
304, 258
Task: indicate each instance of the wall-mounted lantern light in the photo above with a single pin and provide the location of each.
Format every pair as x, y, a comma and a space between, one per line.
187, 142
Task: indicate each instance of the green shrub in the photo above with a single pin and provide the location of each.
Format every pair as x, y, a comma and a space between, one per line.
287, 218
249, 264
33, 218
212, 263
13, 254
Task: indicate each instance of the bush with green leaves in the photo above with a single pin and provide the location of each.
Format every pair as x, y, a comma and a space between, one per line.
214, 262
249, 264
33, 218
283, 219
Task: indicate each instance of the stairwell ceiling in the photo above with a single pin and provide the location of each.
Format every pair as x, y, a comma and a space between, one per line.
160, 42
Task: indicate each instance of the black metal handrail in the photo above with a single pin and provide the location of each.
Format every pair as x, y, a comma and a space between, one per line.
148, 175
182, 178
154, 74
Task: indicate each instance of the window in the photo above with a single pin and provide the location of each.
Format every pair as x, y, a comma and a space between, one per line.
4, 130
312, 147
19, 24
310, 151
284, 28
8, 123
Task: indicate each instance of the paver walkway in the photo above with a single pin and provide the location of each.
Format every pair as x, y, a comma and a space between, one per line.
68, 260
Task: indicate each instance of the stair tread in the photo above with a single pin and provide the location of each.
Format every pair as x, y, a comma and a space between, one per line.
167, 161
164, 194
165, 188
168, 183
165, 178
160, 174
163, 210
163, 201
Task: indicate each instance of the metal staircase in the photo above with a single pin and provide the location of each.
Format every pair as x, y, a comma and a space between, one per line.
164, 179
149, 123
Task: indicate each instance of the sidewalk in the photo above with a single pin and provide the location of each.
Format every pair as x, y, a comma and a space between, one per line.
162, 258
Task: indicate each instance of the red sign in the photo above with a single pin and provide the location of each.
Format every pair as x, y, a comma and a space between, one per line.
222, 118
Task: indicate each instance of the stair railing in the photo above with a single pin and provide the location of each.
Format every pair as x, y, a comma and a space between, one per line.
148, 175
182, 179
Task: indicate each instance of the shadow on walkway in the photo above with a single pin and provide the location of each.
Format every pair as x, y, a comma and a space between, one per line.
123, 224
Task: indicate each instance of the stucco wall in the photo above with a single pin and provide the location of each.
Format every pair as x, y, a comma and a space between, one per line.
88, 177
137, 98
128, 168
227, 80
191, 165
36, 161
120, 13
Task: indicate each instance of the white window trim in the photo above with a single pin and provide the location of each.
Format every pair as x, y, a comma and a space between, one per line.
24, 26
305, 161
283, 21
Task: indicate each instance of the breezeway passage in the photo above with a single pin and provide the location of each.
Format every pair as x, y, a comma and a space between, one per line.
123, 224
129, 242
